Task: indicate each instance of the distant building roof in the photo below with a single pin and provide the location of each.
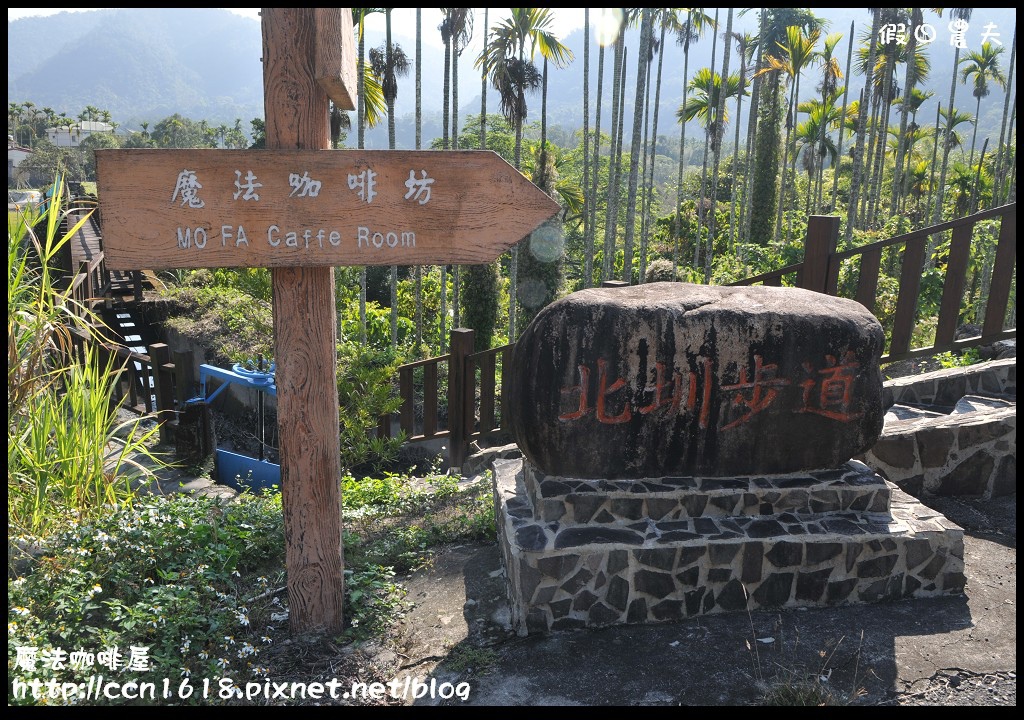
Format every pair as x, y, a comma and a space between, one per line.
84, 127
93, 126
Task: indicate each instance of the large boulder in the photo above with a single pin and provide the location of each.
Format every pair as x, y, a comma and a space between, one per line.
677, 379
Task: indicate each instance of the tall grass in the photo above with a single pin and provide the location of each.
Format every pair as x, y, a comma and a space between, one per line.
64, 456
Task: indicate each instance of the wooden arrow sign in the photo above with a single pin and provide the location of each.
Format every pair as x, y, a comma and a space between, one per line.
290, 208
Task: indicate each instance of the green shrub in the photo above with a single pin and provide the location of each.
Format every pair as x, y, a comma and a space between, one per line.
63, 460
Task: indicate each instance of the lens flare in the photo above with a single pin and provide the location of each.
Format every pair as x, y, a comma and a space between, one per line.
606, 29
546, 243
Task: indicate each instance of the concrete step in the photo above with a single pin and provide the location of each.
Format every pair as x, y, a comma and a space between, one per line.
571, 501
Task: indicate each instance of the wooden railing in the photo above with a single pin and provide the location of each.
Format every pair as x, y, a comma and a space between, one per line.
89, 285
822, 265
466, 415
470, 415
145, 383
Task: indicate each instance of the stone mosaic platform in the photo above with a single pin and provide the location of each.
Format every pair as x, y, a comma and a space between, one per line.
588, 553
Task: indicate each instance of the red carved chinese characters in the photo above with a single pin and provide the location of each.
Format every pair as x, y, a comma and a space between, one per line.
659, 386
834, 397
604, 389
662, 385
763, 386
826, 391
582, 390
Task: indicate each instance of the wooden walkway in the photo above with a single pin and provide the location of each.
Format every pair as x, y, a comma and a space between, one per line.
86, 246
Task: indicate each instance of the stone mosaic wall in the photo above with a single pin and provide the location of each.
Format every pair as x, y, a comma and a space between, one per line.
969, 448
971, 453
944, 388
593, 553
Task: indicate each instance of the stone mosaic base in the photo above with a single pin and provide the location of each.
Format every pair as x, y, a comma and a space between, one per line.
572, 573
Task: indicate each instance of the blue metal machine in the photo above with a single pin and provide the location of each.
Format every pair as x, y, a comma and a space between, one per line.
234, 469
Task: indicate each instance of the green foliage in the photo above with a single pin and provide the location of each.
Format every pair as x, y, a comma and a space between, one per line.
182, 132
374, 601
466, 658
480, 290
661, 270
256, 282
501, 137
950, 359
229, 323
364, 395
48, 161
62, 457
540, 271
397, 520
188, 578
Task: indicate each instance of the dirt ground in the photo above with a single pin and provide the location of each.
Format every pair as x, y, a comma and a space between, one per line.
938, 651
956, 651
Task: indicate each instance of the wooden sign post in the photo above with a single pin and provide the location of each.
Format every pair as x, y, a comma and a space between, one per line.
301, 209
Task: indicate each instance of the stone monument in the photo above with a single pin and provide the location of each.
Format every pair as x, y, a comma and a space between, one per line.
687, 450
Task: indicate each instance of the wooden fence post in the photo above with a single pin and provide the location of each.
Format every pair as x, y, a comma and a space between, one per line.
163, 388
137, 282
184, 377
461, 383
819, 247
87, 288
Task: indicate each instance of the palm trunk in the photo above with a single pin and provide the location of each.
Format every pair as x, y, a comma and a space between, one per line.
678, 230
592, 230
704, 162
790, 122
361, 137
457, 316
391, 146
869, 167
513, 285
929, 256
883, 134
642, 187
635, 144
796, 102
842, 120
719, 132
908, 90
974, 134
937, 215
654, 154
997, 192
755, 98
419, 140
858, 151
442, 339
588, 198
733, 230
610, 221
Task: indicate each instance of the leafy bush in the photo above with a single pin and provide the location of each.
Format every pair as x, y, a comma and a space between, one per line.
232, 325
364, 395
194, 585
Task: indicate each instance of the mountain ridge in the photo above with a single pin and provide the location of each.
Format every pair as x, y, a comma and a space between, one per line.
204, 63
